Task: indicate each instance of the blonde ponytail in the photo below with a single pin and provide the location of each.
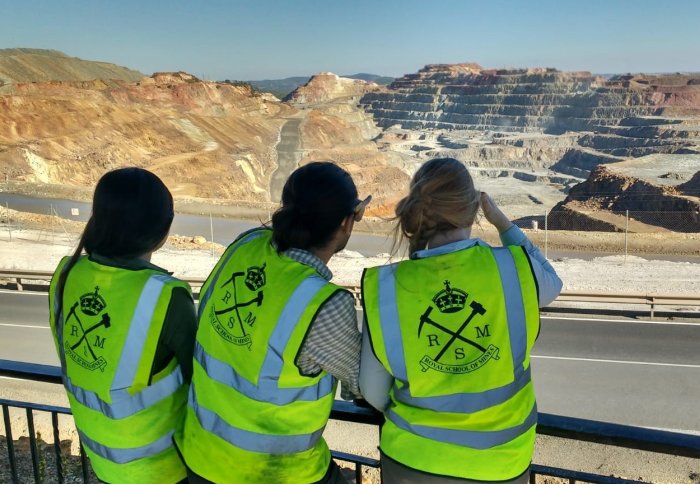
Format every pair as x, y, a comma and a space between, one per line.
441, 197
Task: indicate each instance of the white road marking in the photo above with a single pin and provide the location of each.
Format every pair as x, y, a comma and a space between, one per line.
24, 326
597, 360
633, 321
31, 293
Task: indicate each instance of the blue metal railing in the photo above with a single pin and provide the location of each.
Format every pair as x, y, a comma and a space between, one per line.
553, 425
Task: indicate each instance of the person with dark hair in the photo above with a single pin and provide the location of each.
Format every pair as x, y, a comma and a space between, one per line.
124, 331
448, 335
274, 337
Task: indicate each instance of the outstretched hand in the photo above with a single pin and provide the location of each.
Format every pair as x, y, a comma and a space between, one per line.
494, 214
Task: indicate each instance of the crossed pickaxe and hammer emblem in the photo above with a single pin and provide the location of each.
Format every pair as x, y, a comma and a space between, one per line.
104, 322
258, 299
454, 335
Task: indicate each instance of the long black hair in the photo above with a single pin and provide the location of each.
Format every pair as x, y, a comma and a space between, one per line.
315, 200
132, 211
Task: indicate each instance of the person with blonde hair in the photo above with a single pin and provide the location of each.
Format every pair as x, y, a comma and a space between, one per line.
448, 335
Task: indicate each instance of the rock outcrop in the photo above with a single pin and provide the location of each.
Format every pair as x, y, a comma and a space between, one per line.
326, 86
335, 128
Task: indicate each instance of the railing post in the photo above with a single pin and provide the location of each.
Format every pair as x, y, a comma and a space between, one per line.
10, 444
57, 447
84, 463
211, 229
627, 221
546, 234
33, 446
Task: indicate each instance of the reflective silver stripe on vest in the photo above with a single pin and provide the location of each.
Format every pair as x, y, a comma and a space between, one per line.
205, 297
248, 440
467, 438
123, 403
138, 331
267, 390
515, 309
459, 402
389, 321
124, 456
465, 402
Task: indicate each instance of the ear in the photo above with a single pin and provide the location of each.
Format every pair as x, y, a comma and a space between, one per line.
347, 224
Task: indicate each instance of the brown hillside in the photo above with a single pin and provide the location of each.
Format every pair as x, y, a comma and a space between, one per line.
204, 139
36, 65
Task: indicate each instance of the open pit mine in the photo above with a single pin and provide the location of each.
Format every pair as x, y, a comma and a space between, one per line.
536, 139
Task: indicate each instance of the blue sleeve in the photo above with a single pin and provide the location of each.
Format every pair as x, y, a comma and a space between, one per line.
548, 282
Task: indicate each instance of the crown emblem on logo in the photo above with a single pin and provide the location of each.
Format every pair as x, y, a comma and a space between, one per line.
92, 303
450, 300
255, 277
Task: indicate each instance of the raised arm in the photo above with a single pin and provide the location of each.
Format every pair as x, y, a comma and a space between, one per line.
548, 282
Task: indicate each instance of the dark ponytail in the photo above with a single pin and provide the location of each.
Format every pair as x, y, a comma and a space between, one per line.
315, 200
132, 211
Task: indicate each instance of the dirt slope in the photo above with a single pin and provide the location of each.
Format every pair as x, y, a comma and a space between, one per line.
32, 65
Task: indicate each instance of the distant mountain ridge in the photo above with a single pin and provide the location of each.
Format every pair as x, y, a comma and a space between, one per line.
37, 65
283, 87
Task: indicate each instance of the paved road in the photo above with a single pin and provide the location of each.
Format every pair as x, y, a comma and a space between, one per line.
624, 371
226, 229
288, 156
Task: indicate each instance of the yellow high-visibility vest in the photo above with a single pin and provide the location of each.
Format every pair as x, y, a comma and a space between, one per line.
106, 338
252, 416
455, 331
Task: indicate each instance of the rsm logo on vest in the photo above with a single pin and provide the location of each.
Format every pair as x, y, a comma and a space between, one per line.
235, 315
83, 342
452, 347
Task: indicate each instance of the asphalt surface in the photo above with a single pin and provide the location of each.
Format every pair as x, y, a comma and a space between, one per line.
288, 156
625, 371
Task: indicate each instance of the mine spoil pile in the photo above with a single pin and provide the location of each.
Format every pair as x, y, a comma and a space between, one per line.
603, 201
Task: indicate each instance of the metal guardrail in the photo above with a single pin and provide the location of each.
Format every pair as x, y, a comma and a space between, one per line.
652, 301
553, 425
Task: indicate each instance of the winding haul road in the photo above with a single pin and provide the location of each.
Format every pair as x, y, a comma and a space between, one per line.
624, 371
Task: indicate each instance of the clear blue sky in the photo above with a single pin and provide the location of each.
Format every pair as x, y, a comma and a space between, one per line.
261, 39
